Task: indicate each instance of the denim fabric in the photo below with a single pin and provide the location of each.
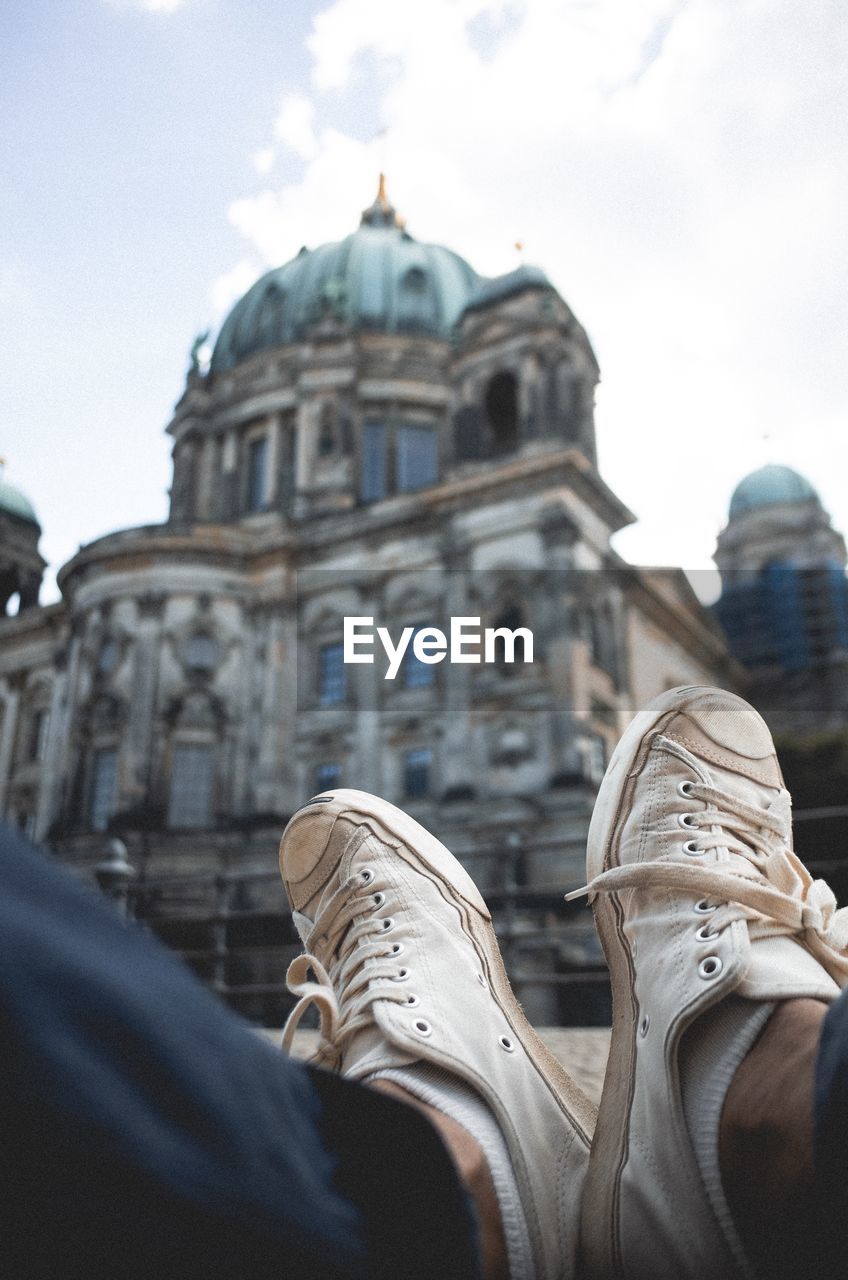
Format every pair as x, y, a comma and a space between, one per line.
148, 1132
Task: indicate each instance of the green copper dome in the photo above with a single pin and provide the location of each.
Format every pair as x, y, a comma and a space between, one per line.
15, 503
378, 279
768, 487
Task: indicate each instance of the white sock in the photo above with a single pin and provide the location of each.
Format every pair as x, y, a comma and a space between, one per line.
711, 1052
445, 1092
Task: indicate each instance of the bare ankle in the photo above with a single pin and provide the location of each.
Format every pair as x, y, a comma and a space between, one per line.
766, 1136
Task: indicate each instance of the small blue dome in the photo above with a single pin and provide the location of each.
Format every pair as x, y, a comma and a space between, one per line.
15, 503
378, 279
769, 487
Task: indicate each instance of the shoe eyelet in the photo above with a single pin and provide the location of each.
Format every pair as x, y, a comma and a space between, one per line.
710, 967
705, 934
423, 1028
684, 788
643, 1026
388, 924
506, 1043
401, 975
379, 899
397, 947
687, 820
412, 1001
692, 849
482, 980
705, 907
366, 875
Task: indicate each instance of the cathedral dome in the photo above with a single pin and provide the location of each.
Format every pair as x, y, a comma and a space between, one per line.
378, 279
768, 487
15, 503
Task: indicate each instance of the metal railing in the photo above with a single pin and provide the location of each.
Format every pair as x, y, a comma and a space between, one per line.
223, 927
220, 924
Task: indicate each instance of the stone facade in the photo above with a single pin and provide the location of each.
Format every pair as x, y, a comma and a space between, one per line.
408, 464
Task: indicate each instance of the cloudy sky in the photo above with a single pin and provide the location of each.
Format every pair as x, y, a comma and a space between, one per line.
678, 168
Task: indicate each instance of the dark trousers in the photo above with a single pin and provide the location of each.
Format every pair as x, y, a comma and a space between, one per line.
149, 1133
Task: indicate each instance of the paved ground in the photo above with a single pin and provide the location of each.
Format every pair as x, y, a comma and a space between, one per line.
581, 1050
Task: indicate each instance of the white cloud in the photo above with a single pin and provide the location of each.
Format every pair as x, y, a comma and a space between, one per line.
294, 125
263, 160
676, 166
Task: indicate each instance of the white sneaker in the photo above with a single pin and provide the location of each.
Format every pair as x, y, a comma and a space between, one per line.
407, 970
697, 896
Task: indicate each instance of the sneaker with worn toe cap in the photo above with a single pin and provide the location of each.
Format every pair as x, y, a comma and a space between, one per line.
402, 963
707, 918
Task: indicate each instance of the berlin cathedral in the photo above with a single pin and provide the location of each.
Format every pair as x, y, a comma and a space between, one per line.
381, 433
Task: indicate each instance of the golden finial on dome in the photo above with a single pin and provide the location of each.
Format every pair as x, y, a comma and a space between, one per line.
382, 212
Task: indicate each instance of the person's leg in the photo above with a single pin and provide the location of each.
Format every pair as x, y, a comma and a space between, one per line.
771, 1172
724, 954
402, 962
146, 1131
476, 1176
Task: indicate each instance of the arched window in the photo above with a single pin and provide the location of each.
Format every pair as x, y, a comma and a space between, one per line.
602, 640
501, 405
415, 280
332, 674
417, 769
327, 433
257, 473
509, 651
103, 788
415, 673
192, 776
327, 776
416, 310
416, 457
107, 655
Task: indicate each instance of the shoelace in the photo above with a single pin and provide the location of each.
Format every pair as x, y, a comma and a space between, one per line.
767, 885
348, 954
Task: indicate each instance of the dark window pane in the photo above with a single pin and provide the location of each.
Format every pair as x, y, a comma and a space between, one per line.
257, 468
373, 477
416, 773
332, 675
108, 655
417, 674
510, 619
501, 403
200, 652
191, 786
417, 461
39, 726
104, 786
327, 776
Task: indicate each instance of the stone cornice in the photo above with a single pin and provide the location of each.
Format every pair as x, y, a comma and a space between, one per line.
692, 626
